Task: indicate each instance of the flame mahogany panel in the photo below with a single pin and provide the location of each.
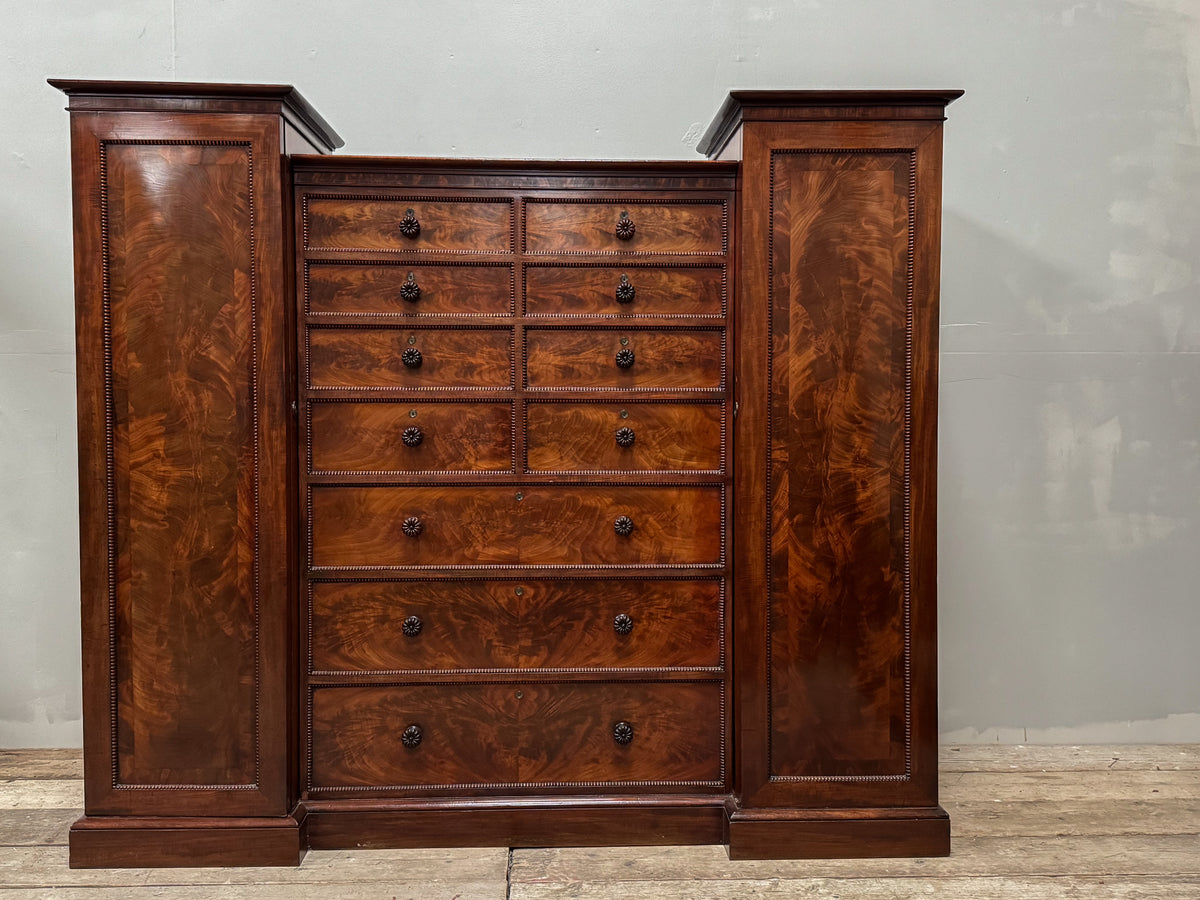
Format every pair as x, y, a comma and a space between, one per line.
667, 437
663, 360
551, 525
840, 237
357, 626
368, 436
581, 227
339, 288
179, 276
591, 291
373, 223
373, 358
520, 734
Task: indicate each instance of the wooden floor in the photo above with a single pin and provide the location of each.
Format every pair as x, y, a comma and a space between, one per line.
1029, 823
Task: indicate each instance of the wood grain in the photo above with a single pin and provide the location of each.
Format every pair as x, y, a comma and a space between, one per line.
179, 273
668, 437
356, 627
372, 223
663, 360
368, 437
837, 465
591, 291
548, 526
371, 358
516, 734
552, 227
374, 289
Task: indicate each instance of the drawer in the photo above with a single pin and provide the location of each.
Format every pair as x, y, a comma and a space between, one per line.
420, 626
390, 436
631, 437
409, 290
657, 227
625, 360
472, 225
624, 291
410, 359
521, 734
521, 525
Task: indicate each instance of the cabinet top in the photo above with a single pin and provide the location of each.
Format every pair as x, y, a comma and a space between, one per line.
794, 106
188, 96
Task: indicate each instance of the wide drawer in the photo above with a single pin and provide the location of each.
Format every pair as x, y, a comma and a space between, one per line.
630, 359
476, 225
392, 436
411, 626
630, 437
624, 291
624, 227
669, 735
409, 290
523, 525
409, 359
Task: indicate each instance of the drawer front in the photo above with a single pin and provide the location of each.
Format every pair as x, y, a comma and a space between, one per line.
657, 227
521, 525
468, 735
412, 290
648, 360
528, 624
390, 436
633, 437
516, 735
477, 225
616, 291
409, 359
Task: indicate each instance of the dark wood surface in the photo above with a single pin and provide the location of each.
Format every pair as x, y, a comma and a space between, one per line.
662, 360
591, 290
515, 735
548, 525
373, 223
374, 289
519, 625
582, 227
373, 358
666, 437
368, 436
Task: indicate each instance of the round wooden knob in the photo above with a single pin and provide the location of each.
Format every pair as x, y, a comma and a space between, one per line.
412, 626
623, 733
409, 226
411, 736
623, 526
625, 437
624, 358
412, 436
410, 290
625, 291
625, 226
412, 526
412, 358
623, 624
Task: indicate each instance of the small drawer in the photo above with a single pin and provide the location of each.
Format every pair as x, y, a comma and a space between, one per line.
624, 291
624, 227
631, 359
412, 290
406, 224
631, 437
409, 358
527, 525
408, 626
517, 735
389, 436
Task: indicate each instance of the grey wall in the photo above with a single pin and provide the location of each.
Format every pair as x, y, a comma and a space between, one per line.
1070, 429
